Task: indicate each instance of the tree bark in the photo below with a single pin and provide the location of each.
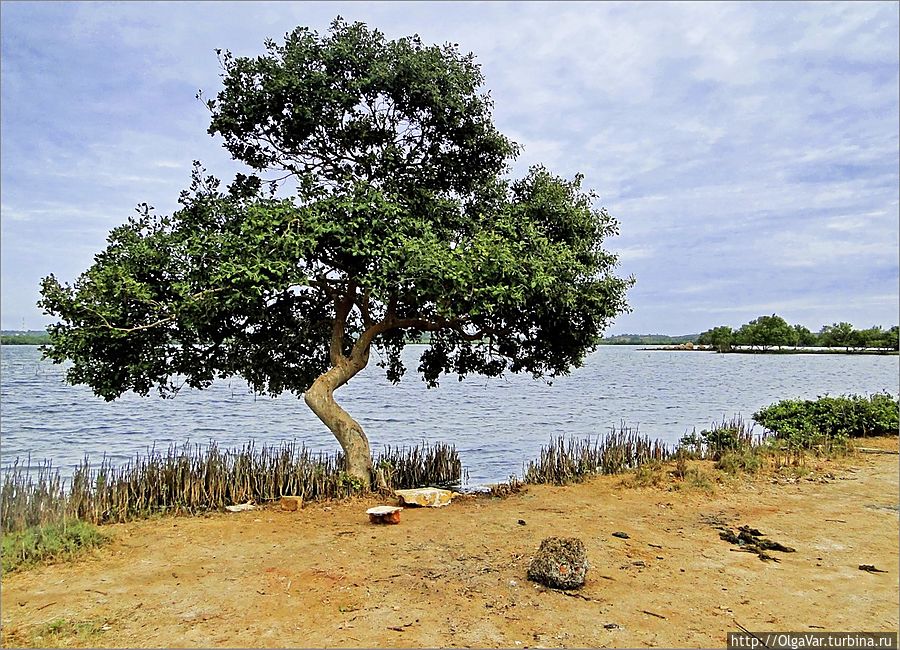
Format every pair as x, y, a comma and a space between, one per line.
320, 398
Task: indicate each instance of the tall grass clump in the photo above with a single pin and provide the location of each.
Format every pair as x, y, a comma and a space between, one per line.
730, 435
436, 465
31, 495
192, 479
566, 460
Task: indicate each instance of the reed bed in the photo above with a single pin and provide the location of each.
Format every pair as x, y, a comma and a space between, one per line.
31, 495
566, 460
435, 465
192, 479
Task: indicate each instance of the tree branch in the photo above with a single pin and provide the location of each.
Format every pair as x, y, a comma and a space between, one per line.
161, 321
390, 322
342, 309
365, 308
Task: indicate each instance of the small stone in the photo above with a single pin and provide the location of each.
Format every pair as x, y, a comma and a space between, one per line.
291, 503
560, 563
521, 522
426, 497
621, 535
384, 514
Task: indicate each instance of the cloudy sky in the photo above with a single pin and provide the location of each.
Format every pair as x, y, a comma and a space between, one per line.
749, 150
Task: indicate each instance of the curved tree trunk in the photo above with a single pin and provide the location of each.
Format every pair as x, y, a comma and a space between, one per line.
320, 398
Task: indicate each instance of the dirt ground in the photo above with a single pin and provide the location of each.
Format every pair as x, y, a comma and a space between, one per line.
325, 577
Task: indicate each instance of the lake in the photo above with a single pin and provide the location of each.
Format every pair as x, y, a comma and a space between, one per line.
496, 424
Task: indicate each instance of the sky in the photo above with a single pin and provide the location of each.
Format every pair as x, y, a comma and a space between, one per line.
750, 151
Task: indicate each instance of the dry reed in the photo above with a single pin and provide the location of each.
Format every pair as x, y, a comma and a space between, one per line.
191, 479
566, 460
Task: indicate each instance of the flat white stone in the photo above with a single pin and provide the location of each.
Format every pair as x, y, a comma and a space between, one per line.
429, 497
241, 507
382, 510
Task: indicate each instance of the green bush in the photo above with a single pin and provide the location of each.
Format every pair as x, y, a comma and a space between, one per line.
55, 541
809, 423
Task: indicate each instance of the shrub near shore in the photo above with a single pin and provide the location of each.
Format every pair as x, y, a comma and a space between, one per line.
809, 422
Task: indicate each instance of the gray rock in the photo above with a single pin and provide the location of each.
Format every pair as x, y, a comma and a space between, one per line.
560, 563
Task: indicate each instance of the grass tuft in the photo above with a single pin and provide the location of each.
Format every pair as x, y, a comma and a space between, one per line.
63, 541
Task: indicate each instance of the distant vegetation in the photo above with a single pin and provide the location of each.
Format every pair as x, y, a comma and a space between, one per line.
648, 339
764, 334
30, 337
767, 333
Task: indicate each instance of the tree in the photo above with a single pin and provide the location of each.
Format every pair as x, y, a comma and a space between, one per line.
838, 334
891, 339
721, 338
766, 332
867, 338
401, 223
803, 337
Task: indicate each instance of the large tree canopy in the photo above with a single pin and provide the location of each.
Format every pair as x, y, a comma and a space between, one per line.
402, 222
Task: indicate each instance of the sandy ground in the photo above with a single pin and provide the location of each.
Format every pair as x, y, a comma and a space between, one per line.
324, 576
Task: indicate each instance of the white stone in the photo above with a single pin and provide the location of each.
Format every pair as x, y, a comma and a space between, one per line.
241, 507
430, 497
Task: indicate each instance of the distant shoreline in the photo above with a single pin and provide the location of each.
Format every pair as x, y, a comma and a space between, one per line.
698, 348
24, 340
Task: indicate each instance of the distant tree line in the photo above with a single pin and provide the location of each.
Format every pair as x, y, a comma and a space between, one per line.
647, 339
30, 337
769, 332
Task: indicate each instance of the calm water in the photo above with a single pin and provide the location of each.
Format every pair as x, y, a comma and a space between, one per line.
496, 424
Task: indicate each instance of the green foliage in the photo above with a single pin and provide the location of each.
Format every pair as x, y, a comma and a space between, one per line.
803, 337
722, 338
42, 543
838, 335
807, 423
649, 475
402, 222
765, 332
24, 338
768, 332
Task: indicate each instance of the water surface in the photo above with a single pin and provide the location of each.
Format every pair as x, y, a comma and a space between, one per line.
496, 424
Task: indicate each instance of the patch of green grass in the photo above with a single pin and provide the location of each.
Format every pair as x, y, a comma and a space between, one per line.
27, 547
648, 475
57, 633
697, 479
747, 460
